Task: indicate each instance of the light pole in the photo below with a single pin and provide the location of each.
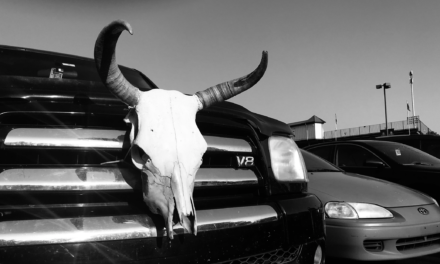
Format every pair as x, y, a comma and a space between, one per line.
385, 86
411, 81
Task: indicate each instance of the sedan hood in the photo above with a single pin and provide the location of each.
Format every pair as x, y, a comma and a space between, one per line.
349, 187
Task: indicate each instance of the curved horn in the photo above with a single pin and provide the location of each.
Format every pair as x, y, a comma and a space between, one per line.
105, 60
226, 90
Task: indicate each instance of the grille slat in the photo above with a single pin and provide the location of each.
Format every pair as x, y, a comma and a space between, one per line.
100, 138
94, 178
91, 147
105, 228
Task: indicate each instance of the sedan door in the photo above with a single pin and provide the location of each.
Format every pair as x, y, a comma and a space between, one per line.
357, 159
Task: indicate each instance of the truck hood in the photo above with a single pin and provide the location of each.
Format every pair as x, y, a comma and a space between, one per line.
263, 124
27, 80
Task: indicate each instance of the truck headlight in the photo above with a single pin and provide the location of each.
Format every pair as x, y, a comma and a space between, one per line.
286, 160
344, 210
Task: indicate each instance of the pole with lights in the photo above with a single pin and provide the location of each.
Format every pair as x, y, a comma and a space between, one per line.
385, 86
411, 81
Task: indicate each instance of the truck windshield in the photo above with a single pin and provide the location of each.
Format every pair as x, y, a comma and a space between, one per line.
17, 62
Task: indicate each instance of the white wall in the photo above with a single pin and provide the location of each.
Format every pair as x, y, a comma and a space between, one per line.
310, 131
319, 131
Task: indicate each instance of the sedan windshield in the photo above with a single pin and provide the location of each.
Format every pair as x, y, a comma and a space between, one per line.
405, 155
317, 164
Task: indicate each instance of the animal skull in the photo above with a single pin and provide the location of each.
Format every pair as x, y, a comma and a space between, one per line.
167, 145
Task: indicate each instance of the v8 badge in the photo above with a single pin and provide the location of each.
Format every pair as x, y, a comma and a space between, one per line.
245, 161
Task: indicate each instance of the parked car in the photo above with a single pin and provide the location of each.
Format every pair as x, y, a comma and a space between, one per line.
391, 161
428, 143
69, 192
370, 219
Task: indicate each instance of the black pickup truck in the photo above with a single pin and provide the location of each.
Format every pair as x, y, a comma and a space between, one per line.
70, 194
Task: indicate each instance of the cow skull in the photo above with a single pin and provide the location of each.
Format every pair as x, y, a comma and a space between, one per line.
166, 144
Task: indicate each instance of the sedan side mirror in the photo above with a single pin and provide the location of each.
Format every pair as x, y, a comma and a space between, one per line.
374, 163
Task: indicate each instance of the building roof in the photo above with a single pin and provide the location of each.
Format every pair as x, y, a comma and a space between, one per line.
312, 120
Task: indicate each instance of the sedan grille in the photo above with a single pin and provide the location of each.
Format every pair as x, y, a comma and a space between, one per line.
373, 245
279, 256
417, 242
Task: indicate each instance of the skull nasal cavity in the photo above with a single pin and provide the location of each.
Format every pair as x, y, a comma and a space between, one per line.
139, 155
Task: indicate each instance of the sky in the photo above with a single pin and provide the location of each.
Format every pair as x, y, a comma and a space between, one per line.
325, 56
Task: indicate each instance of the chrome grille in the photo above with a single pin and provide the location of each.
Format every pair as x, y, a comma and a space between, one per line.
46, 162
278, 256
417, 242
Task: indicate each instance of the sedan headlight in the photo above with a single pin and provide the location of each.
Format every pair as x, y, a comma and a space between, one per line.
345, 210
286, 160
